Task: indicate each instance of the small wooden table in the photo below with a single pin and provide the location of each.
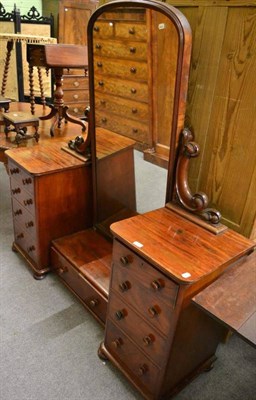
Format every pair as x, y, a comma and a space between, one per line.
57, 57
232, 299
20, 121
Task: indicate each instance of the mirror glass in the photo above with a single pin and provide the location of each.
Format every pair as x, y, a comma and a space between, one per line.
133, 62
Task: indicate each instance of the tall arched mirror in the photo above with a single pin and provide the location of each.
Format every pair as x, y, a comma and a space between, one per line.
139, 55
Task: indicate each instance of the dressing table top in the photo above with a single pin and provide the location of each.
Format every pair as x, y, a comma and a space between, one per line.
184, 251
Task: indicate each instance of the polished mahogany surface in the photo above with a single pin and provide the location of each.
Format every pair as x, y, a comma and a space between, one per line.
182, 249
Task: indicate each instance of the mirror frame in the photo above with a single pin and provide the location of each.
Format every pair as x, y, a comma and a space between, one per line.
181, 83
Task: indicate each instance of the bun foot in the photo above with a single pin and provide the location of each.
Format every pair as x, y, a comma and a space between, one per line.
101, 353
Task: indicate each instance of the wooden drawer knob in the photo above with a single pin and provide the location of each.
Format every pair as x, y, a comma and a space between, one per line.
132, 31
133, 90
61, 270
119, 314
143, 369
153, 311
20, 236
157, 284
28, 202
149, 339
31, 248
103, 102
101, 83
132, 50
98, 46
76, 83
75, 96
99, 64
117, 342
18, 212
93, 303
133, 70
125, 260
14, 171
29, 224
27, 181
96, 28
16, 191
134, 110
124, 286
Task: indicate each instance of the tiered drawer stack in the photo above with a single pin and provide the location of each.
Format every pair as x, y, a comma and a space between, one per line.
122, 65
76, 91
22, 191
141, 312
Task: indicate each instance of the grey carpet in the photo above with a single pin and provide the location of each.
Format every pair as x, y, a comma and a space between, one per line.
49, 342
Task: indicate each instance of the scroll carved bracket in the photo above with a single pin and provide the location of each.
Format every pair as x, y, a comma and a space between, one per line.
194, 204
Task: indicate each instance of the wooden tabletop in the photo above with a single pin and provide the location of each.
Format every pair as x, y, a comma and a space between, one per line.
180, 248
232, 298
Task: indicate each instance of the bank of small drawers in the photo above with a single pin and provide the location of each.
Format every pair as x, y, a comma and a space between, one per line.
23, 206
141, 314
76, 94
121, 75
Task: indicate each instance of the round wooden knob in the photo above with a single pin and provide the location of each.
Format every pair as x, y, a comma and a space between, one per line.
96, 28
18, 212
98, 46
125, 260
119, 315
132, 31
101, 83
133, 90
153, 311
124, 286
143, 369
99, 64
133, 50
117, 342
61, 270
93, 303
147, 340
157, 284
133, 70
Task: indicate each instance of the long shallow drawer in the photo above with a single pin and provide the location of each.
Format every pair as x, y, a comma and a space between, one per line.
131, 358
27, 242
137, 91
75, 82
127, 108
88, 294
75, 96
19, 178
136, 70
144, 334
136, 130
120, 30
23, 218
113, 48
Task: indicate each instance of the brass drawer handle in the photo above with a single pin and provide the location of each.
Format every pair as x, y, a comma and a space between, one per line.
124, 286
143, 369
120, 314
125, 260
14, 171
117, 343
18, 212
154, 311
93, 303
157, 284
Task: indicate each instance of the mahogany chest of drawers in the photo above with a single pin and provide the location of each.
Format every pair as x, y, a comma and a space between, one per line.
49, 190
154, 333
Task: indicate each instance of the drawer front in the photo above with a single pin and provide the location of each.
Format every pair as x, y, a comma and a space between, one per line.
77, 109
131, 358
129, 70
96, 303
75, 96
23, 218
114, 48
128, 108
27, 242
145, 336
120, 30
20, 179
130, 128
75, 82
25, 198
149, 291
129, 89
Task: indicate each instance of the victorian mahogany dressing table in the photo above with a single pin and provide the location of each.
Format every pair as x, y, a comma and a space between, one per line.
137, 274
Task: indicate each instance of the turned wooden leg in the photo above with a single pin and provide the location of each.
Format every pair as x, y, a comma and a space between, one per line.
41, 85
31, 89
6, 66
